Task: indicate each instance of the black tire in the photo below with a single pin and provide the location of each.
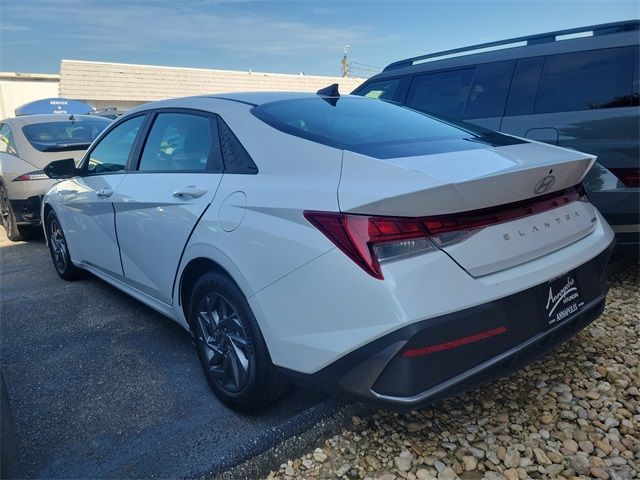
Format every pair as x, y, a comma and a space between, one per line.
14, 233
59, 249
226, 334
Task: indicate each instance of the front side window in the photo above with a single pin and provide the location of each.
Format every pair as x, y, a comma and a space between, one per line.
384, 89
65, 135
586, 80
112, 152
441, 93
7, 145
181, 142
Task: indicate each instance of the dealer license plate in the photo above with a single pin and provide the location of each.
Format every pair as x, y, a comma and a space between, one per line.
562, 298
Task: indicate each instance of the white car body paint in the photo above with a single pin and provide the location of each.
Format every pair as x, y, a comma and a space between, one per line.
314, 305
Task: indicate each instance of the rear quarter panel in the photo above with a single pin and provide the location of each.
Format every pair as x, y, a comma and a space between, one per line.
255, 228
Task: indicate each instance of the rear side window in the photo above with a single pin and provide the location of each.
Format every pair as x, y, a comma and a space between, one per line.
112, 152
236, 158
180, 142
384, 89
488, 91
441, 93
586, 80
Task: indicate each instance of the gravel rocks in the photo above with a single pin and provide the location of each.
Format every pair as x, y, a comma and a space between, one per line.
573, 414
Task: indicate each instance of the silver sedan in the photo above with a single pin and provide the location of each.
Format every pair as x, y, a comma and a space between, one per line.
28, 144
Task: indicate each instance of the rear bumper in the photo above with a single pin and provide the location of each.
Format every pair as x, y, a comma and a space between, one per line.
379, 371
27, 211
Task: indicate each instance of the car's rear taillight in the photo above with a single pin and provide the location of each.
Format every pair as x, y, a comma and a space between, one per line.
629, 176
36, 175
370, 240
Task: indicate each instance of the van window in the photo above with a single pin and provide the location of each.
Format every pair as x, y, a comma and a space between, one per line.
586, 80
441, 93
489, 88
524, 87
384, 89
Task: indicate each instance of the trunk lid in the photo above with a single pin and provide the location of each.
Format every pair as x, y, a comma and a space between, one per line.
470, 180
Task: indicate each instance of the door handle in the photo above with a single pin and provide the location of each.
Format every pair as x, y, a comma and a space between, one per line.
190, 191
105, 192
67, 194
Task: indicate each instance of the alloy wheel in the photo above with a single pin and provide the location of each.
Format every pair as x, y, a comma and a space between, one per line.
223, 343
58, 245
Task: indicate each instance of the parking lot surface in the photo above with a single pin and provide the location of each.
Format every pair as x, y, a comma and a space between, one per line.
103, 387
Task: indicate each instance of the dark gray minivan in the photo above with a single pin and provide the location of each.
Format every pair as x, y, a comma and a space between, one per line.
574, 88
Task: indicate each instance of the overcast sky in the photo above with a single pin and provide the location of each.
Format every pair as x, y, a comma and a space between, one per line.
284, 36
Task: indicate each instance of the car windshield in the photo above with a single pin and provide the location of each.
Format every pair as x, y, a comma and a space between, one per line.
64, 135
374, 127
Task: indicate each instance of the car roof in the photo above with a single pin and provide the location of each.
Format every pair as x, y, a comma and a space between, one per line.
626, 35
47, 118
224, 102
260, 98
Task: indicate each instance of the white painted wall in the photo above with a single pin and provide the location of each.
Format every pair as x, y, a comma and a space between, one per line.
16, 91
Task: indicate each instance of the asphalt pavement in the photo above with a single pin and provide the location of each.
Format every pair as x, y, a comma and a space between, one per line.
101, 386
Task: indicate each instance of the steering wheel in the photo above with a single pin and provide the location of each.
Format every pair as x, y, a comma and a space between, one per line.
163, 157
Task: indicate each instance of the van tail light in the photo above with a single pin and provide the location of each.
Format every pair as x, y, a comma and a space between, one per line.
629, 176
372, 240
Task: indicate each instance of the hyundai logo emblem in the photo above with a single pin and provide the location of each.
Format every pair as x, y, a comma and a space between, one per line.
544, 184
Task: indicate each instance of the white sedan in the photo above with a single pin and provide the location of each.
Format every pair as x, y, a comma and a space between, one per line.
344, 242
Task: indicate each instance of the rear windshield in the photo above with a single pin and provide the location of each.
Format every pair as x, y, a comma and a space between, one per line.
374, 127
64, 136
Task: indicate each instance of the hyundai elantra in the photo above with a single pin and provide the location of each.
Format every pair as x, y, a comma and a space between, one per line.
344, 242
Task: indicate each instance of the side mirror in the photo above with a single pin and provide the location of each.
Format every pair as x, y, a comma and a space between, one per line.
61, 169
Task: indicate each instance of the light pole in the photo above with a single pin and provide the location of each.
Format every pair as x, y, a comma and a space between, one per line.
345, 61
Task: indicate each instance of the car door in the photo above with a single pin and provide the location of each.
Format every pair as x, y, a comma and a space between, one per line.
87, 200
160, 201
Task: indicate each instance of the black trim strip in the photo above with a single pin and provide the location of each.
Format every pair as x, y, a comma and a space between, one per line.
115, 229
231, 100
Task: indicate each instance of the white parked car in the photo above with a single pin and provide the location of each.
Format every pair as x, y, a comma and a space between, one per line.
346, 242
27, 144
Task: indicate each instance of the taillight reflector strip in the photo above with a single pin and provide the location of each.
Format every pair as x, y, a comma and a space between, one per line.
359, 235
629, 176
485, 217
459, 342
